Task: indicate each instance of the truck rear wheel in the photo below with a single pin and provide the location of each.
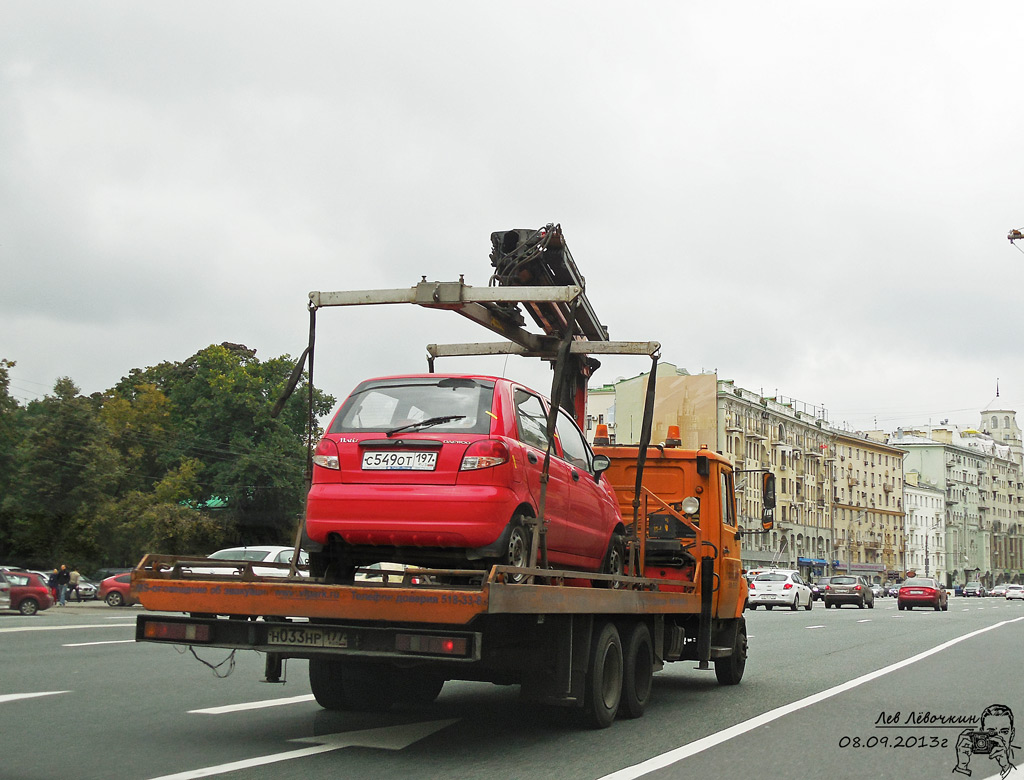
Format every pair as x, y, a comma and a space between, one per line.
604, 679
419, 687
729, 671
337, 685
638, 671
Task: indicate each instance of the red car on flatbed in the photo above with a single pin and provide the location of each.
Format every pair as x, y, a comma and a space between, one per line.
443, 469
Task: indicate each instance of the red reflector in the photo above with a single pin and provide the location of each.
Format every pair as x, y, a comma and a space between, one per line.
179, 632
435, 645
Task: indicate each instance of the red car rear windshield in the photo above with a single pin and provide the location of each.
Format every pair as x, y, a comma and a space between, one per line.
387, 404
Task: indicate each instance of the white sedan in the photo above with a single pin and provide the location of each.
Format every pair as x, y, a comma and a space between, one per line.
1015, 592
781, 587
278, 557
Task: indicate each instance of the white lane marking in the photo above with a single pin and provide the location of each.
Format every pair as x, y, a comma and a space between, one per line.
17, 696
811, 627
710, 741
864, 620
64, 628
109, 642
388, 738
252, 705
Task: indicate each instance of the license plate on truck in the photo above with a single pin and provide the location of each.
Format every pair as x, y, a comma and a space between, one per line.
306, 637
399, 461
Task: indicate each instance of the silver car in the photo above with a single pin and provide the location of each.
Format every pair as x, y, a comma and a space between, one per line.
5, 593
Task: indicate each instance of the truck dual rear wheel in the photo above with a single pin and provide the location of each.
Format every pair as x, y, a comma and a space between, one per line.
604, 679
337, 685
638, 671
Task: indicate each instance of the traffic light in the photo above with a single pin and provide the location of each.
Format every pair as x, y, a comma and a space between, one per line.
767, 501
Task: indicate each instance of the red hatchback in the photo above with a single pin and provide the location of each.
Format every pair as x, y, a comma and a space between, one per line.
922, 592
29, 593
116, 590
442, 470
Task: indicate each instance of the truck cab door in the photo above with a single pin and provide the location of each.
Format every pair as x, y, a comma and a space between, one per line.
732, 590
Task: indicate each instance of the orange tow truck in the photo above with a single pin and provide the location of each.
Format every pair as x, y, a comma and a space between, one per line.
372, 643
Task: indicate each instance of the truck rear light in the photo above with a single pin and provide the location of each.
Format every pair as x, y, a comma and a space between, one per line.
484, 455
327, 455
180, 632
434, 645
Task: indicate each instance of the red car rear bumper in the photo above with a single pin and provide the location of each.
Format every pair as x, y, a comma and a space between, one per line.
462, 516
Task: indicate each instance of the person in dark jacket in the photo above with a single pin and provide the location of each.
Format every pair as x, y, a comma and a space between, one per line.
63, 578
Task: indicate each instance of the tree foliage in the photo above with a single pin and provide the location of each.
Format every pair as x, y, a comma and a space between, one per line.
182, 457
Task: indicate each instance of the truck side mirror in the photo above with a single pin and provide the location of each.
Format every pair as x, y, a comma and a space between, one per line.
767, 501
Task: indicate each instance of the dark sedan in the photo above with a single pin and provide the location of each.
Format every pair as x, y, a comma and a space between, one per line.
922, 592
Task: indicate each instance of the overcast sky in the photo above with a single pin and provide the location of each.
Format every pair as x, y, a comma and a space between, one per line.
812, 198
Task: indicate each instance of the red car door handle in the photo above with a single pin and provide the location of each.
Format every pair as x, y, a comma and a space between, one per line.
575, 476
531, 457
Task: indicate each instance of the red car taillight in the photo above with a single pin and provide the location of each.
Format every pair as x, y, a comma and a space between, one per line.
484, 455
856, 587
327, 455
751, 583
787, 586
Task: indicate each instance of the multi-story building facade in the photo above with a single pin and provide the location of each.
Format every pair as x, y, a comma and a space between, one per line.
867, 511
924, 551
842, 496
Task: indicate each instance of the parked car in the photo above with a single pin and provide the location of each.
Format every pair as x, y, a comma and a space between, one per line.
116, 590
274, 554
87, 589
849, 589
28, 592
1015, 592
999, 591
974, 589
922, 592
5, 593
444, 470
779, 587
818, 588
877, 590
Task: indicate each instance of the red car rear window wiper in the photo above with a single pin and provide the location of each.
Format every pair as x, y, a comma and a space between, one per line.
425, 423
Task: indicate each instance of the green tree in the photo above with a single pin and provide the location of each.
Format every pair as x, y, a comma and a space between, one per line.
10, 414
219, 411
64, 468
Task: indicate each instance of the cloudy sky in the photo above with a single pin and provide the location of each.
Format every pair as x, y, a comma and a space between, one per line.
812, 198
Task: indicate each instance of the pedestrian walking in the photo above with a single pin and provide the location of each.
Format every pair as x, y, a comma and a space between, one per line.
74, 577
63, 578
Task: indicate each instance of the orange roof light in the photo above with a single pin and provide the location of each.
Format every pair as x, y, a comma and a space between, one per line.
673, 440
601, 436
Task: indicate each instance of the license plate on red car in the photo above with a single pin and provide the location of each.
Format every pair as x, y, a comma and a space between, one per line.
915, 592
399, 461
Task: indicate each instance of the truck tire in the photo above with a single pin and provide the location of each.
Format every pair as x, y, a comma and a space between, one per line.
638, 670
419, 687
729, 671
326, 684
604, 678
337, 685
